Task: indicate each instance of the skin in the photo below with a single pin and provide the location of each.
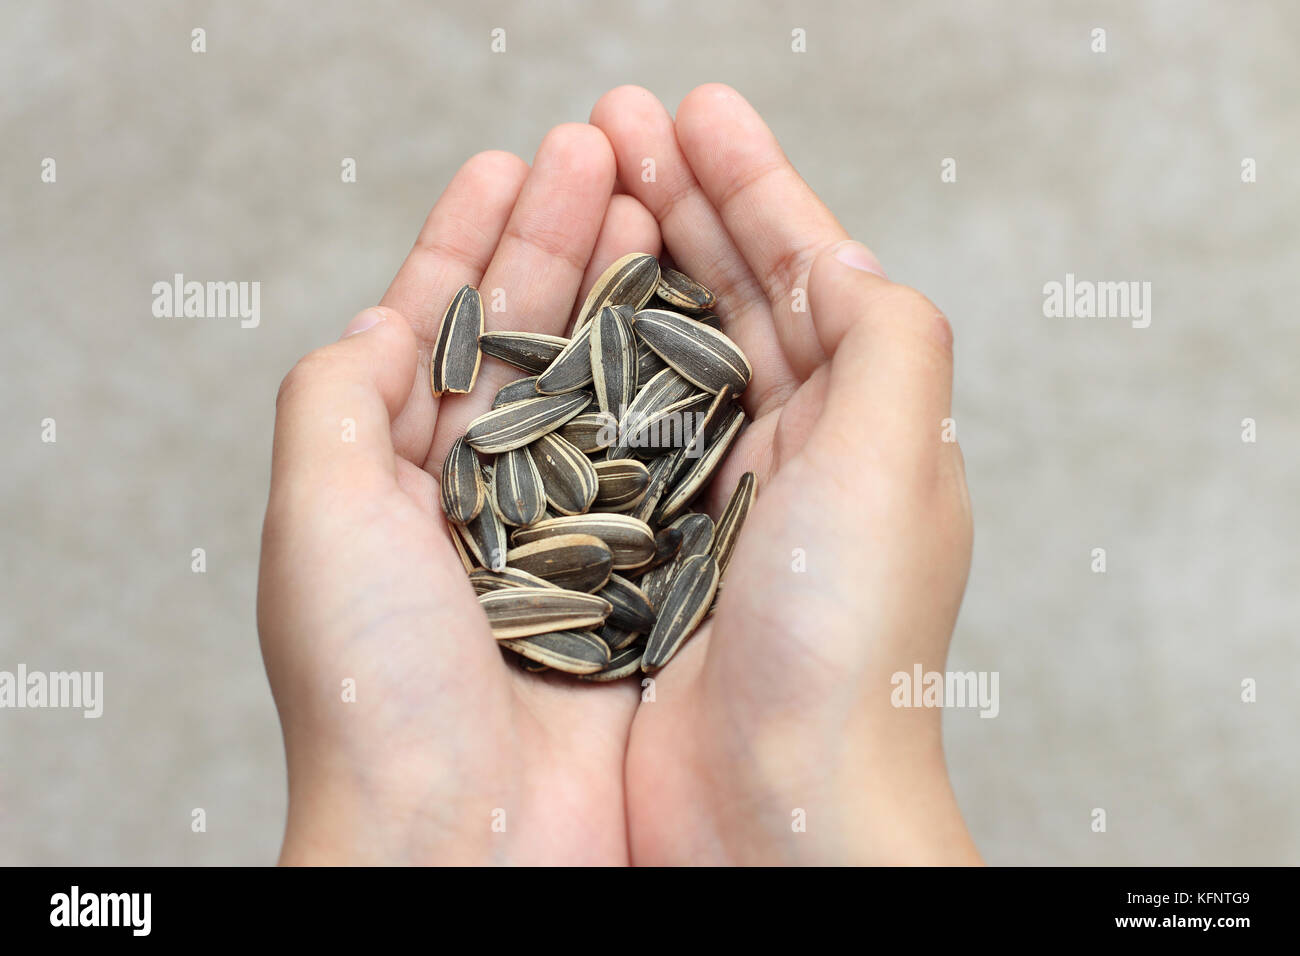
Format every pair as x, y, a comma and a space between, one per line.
771, 736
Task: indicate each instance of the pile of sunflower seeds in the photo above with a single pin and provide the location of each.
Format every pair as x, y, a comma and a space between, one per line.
593, 461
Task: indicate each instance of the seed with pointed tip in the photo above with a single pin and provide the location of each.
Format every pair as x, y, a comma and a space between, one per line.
682, 292
613, 359
577, 562
519, 423
696, 532
484, 580
485, 536
617, 638
462, 486
568, 476
630, 541
684, 606
571, 652
453, 367
590, 432
571, 369
517, 488
700, 353
530, 351
517, 391
628, 281
519, 612
621, 483
631, 609
732, 520
701, 470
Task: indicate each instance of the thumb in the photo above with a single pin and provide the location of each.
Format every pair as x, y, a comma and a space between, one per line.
334, 411
890, 354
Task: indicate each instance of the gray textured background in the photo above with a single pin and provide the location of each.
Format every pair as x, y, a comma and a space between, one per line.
1119, 691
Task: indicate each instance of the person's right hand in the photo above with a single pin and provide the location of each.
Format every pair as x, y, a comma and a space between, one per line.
853, 561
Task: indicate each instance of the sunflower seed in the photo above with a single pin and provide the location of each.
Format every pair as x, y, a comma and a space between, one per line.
519, 390
672, 426
454, 364
648, 362
590, 432
711, 320
630, 541
462, 486
486, 535
685, 490
613, 359
485, 580
576, 562
517, 424
707, 427
622, 664
731, 521
517, 488
629, 281
530, 351
520, 612
631, 609
662, 390
571, 652
701, 354
567, 475
621, 484
524, 664
684, 606
458, 542
617, 638
696, 533
660, 470
668, 541
682, 292
571, 369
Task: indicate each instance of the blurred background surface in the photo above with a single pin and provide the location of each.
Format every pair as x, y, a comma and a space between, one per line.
1119, 691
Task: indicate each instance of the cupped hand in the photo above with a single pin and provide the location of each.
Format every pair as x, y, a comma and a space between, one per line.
408, 737
771, 736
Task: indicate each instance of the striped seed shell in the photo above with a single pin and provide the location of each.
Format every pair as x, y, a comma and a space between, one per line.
672, 426
668, 541
485, 580
715, 417
680, 291
701, 469
517, 488
530, 351
630, 541
571, 369
520, 612
629, 281
462, 485
648, 362
567, 475
663, 389
519, 423
687, 601
660, 470
617, 638
711, 320
613, 359
577, 562
590, 432
701, 354
630, 608
621, 664
458, 542
571, 652
621, 484
486, 535
517, 391
454, 364
696, 532
732, 520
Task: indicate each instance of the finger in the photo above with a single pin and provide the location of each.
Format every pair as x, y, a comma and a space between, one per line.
534, 275
453, 249
335, 407
779, 224
641, 131
890, 388
628, 227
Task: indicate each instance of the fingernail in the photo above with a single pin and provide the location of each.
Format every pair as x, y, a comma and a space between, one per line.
364, 320
857, 256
